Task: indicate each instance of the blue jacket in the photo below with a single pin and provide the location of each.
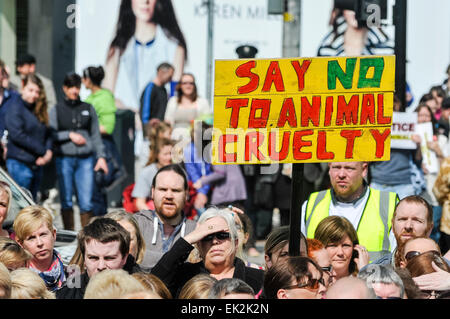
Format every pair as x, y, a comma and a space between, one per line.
8, 95
28, 138
196, 167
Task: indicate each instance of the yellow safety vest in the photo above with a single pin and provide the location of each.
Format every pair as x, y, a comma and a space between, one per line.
375, 223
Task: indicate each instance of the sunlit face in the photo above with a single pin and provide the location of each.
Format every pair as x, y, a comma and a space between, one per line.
4, 202
187, 83
165, 155
322, 258
40, 243
432, 104
30, 92
385, 291
169, 194
87, 83
423, 116
438, 99
166, 75
341, 254
420, 245
100, 256
143, 9
283, 254
217, 251
303, 293
26, 69
410, 221
72, 93
133, 238
347, 177
165, 134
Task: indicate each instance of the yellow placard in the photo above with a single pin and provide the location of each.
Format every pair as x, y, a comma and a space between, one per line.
303, 110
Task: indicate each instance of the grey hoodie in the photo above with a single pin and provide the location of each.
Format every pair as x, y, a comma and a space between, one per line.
150, 226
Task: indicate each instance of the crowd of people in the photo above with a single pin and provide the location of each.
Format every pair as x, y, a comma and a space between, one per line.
368, 230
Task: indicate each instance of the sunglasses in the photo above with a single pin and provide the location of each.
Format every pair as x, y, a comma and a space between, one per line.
312, 285
328, 270
410, 255
392, 298
187, 83
220, 236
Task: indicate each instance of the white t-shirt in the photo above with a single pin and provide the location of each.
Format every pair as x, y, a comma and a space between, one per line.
138, 65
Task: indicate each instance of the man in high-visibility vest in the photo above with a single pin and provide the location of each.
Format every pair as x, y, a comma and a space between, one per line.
369, 210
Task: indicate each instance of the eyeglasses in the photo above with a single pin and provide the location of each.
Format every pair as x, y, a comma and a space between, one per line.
219, 236
410, 255
187, 83
312, 285
329, 271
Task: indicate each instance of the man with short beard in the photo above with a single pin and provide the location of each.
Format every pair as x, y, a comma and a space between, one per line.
163, 226
413, 217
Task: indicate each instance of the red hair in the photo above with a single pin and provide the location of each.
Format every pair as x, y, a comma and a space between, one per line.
314, 245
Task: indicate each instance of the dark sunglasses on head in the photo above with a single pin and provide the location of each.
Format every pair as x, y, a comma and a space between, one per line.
311, 285
414, 253
220, 236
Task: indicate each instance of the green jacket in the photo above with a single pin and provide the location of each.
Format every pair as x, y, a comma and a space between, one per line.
105, 107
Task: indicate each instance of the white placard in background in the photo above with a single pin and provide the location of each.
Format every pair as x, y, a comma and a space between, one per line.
403, 126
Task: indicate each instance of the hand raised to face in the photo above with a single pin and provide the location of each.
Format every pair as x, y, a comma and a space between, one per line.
210, 226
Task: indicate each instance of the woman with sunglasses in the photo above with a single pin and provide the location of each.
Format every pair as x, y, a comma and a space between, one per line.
294, 278
318, 253
422, 264
216, 238
185, 107
414, 247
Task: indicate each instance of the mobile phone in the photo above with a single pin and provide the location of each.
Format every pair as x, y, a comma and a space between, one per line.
355, 254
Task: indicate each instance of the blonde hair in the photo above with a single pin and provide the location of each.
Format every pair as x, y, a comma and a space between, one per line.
197, 287
4, 187
30, 219
153, 284
12, 253
119, 215
5, 282
112, 284
26, 284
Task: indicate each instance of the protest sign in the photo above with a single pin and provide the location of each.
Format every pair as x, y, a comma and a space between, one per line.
301, 110
429, 158
403, 127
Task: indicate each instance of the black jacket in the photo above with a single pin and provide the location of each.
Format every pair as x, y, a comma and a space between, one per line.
175, 272
67, 292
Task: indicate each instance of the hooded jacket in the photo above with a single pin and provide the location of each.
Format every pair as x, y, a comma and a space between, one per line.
151, 228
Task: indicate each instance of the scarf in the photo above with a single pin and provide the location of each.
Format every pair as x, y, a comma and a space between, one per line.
54, 277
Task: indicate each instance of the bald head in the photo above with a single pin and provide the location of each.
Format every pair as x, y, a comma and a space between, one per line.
350, 288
